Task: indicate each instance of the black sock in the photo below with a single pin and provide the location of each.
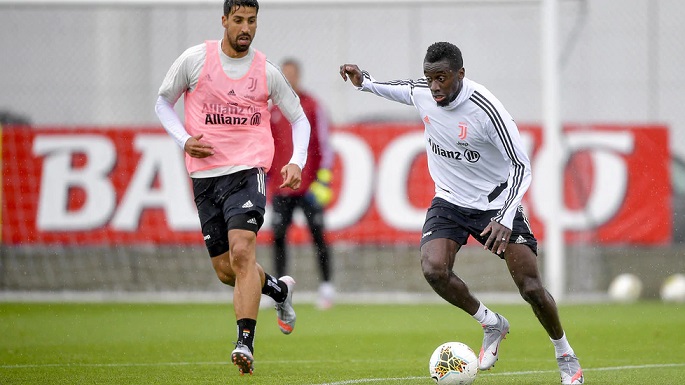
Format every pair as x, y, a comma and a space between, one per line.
246, 329
274, 288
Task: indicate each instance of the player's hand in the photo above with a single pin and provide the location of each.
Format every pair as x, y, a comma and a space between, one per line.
320, 190
352, 72
499, 237
292, 176
198, 148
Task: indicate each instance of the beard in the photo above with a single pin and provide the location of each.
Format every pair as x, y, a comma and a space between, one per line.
240, 48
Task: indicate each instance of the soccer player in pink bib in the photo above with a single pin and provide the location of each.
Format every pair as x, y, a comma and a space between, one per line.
228, 148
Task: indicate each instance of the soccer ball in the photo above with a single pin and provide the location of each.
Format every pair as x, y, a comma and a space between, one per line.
625, 288
453, 363
673, 288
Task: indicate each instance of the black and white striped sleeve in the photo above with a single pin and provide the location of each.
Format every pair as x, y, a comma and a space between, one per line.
396, 90
506, 138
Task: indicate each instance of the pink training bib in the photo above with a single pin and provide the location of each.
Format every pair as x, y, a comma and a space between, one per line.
232, 114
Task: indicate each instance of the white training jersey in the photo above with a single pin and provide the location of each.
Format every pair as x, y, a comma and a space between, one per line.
475, 154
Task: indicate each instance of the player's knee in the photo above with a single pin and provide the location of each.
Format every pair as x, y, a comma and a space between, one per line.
223, 270
279, 229
242, 255
434, 273
278, 226
533, 292
279, 232
227, 279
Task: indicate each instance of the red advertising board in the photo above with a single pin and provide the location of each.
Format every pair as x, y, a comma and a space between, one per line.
128, 185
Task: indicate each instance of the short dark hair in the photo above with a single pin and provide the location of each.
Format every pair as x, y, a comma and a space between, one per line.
444, 50
229, 4
291, 61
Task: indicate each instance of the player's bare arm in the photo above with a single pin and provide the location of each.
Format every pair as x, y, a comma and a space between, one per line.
198, 148
499, 237
292, 176
352, 72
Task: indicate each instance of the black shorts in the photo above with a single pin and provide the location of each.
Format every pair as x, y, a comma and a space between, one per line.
445, 220
234, 201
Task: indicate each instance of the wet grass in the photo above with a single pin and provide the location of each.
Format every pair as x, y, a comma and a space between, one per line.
74, 343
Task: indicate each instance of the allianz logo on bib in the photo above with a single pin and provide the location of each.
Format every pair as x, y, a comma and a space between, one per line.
255, 119
225, 119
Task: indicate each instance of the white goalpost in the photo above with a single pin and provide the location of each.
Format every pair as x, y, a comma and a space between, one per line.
554, 233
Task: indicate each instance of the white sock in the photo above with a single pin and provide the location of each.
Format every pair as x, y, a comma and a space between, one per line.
561, 346
485, 316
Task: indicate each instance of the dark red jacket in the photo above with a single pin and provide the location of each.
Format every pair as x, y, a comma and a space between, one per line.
319, 153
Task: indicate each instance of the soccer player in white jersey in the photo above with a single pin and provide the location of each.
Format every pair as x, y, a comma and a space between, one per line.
481, 172
228, 148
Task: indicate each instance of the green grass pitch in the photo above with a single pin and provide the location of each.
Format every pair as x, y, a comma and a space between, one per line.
78, 343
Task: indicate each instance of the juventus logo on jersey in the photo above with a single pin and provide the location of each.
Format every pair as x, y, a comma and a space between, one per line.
253, 84
463, 128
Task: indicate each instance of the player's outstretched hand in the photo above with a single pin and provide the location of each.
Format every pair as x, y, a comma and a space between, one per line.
198, 148
499, 237
292, 176
352, 72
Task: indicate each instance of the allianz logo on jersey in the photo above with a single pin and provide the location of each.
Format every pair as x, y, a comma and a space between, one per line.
231, 114
254, 120
469, 155
231, 108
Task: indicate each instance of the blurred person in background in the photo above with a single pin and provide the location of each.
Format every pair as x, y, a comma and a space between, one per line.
481, 172
315, 191
228, 149
10, 118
